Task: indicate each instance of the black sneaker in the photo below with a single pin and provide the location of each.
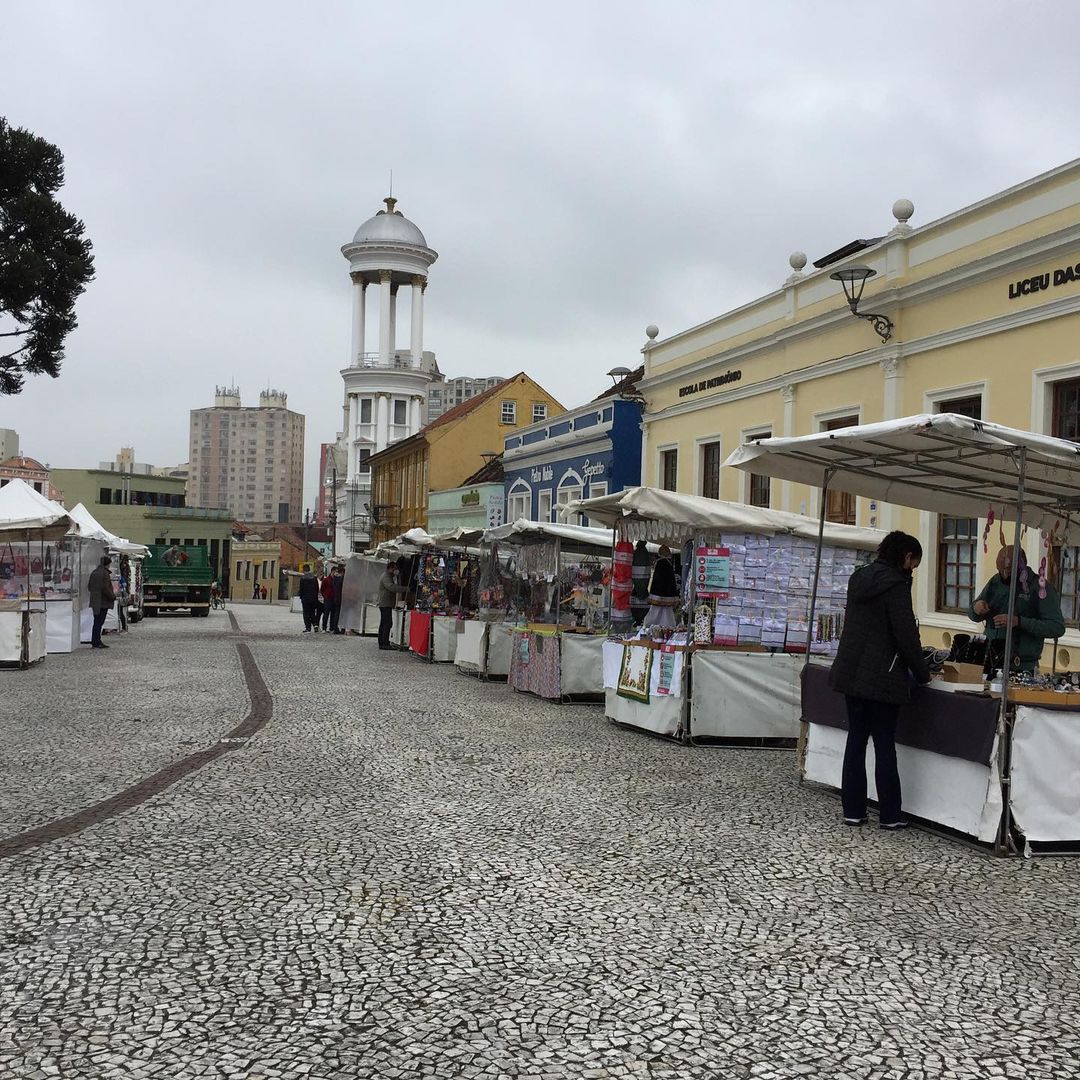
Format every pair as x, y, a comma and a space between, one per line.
854, 821
892, 825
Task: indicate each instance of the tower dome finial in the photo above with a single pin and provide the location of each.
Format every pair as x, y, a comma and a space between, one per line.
391, 202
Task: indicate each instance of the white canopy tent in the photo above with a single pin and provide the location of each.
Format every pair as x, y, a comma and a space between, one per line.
940, 462
25, 512
26, 516
573, 539
646, 513
948, 464
85, 524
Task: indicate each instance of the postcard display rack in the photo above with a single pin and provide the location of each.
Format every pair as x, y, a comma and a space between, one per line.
731, 669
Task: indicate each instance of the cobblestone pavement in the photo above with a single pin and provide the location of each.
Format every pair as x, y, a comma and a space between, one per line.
410, 874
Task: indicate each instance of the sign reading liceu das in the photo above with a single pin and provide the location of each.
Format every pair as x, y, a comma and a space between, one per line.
709, 384
1041, 282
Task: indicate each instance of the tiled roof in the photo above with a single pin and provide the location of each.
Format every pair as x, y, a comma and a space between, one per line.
491, 472
627, 382
27, 463
465, 407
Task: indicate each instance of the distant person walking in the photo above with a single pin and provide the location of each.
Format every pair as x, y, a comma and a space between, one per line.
389, 590
326, 591
309, 596
102, 598
337, 577
255, 591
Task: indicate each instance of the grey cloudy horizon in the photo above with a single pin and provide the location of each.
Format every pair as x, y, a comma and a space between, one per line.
582, 170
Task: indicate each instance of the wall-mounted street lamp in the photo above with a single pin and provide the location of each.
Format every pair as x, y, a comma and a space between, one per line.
854, 279
617, 374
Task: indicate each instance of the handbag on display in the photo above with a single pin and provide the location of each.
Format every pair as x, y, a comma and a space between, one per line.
65, 574
48, 561
36, 565
22, 564
7, 563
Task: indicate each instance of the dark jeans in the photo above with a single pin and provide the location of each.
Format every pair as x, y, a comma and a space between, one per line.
327, 613
311, 617
335, 610
386, 622
871, 720
99, 622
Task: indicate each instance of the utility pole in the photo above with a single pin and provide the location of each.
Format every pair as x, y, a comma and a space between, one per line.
307, 531
333, 509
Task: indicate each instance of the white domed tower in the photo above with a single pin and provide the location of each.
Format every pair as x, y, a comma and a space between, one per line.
385, 388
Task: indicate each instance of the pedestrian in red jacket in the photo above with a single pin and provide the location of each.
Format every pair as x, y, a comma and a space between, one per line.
326, 591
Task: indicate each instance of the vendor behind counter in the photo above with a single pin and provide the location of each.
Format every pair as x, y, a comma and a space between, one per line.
1037, 613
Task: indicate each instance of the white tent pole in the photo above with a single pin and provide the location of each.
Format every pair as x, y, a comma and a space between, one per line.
1003, 840
804, 725
558, 588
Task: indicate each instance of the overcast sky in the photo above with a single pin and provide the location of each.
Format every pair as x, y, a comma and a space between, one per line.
582, 169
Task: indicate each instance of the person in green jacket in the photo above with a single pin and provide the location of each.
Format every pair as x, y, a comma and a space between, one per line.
1037, 614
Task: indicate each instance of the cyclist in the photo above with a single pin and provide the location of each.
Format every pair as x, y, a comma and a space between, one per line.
216, 599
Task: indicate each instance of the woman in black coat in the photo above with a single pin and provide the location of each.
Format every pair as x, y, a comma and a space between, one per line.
879, 645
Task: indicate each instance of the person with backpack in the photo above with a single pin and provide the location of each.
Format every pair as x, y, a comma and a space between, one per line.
309, 596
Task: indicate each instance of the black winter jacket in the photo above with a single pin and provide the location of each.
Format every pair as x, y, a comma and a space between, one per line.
309, 589
880, 641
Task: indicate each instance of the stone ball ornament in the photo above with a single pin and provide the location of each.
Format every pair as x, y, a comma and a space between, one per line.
902, 210
651, 331
797, 260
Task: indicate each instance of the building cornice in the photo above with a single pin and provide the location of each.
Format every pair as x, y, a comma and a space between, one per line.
893, 352
557, 453
966, 276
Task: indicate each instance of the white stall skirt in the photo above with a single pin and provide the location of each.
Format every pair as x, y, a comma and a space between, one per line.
745, 695
61, 627
662, 715
1046, 774
444, 639
581, 664
471, 647
948, 791
499, 642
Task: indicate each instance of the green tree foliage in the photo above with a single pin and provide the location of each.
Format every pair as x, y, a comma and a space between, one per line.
45, 261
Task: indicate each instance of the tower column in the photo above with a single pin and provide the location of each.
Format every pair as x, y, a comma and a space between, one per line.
416, 415
386, 312
416, 329
358, 314
350, 436
382, 422
393, 320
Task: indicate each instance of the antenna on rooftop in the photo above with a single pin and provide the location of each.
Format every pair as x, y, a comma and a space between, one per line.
391, 191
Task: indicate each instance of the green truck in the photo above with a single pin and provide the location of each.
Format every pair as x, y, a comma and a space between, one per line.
177, 577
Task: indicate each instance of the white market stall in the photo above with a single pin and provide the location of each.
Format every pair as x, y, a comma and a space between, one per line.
121, 550
1014, 784
735, 675
31, 529
556, 653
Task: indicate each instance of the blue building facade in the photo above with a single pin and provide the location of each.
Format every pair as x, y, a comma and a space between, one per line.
589, 451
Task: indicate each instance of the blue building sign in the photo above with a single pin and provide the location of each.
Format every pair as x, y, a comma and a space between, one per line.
590, 451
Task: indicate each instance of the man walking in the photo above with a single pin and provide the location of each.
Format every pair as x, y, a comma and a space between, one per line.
102, 598
309, 596
389, 590
337, 577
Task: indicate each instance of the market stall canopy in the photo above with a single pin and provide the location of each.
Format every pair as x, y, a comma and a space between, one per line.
25, 512
408, 543
459, 537
940, 462
579, 539
86, 525
653, 514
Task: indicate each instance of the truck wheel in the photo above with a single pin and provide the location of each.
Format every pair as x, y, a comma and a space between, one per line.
204, 613
194, 612
150, 612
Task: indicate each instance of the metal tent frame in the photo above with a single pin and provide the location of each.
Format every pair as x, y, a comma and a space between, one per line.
947, 464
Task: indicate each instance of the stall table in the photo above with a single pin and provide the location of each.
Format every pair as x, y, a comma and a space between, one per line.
946, 745
559, 666
22, 634
470, 654
745, 696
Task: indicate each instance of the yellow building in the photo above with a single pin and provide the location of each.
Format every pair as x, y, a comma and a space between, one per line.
981, 316
449, 449
255, 563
